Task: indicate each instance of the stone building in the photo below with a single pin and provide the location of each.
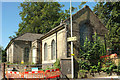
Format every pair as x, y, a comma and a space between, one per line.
23, 47
44, 49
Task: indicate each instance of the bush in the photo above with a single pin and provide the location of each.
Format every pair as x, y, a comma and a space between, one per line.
90, 55
57, 64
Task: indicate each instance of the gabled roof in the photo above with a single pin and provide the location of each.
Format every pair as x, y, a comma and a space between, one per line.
94, 15
25, 37
29, 37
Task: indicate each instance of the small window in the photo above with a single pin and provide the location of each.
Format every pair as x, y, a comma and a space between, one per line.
45, 52
53, 50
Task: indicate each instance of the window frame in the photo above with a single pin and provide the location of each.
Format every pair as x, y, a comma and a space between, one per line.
53, 48
45, 52
27, 60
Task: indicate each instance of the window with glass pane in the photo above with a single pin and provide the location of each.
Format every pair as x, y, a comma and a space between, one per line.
53, 50
26, 54
85, 31
45, 52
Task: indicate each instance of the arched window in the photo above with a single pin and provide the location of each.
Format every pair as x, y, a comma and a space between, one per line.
85, 31
26, 54
45, 52
53, 50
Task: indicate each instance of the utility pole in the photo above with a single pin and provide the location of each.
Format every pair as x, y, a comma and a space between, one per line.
72, 65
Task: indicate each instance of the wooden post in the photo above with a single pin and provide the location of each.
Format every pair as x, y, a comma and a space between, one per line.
3, 70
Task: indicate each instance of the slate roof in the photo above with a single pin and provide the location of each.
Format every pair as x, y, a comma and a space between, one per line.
25, 37
29, 37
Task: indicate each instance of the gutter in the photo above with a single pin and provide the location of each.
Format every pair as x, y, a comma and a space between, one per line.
54, 30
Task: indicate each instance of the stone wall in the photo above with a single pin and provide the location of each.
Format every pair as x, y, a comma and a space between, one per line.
85, 23
48, 41
78, 21
65, 65
10, 52
60, 46
98, 26
19, 47
36, 46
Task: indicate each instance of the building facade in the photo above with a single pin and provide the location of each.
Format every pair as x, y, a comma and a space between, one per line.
47, 48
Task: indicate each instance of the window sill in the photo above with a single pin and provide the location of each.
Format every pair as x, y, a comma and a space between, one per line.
50, 61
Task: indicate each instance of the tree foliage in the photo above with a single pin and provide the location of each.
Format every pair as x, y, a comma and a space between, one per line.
89, 56
81, 5
91, 51
109, 13
2, 54
40, 17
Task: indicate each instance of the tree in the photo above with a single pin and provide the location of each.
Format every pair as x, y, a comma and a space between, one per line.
40, 17
2, 54
109, 14
92, 50
89, 56
81, 5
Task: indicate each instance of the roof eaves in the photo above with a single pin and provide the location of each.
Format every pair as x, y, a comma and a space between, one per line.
11, 41
59, 27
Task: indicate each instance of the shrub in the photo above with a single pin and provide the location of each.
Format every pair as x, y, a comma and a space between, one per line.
90, 53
